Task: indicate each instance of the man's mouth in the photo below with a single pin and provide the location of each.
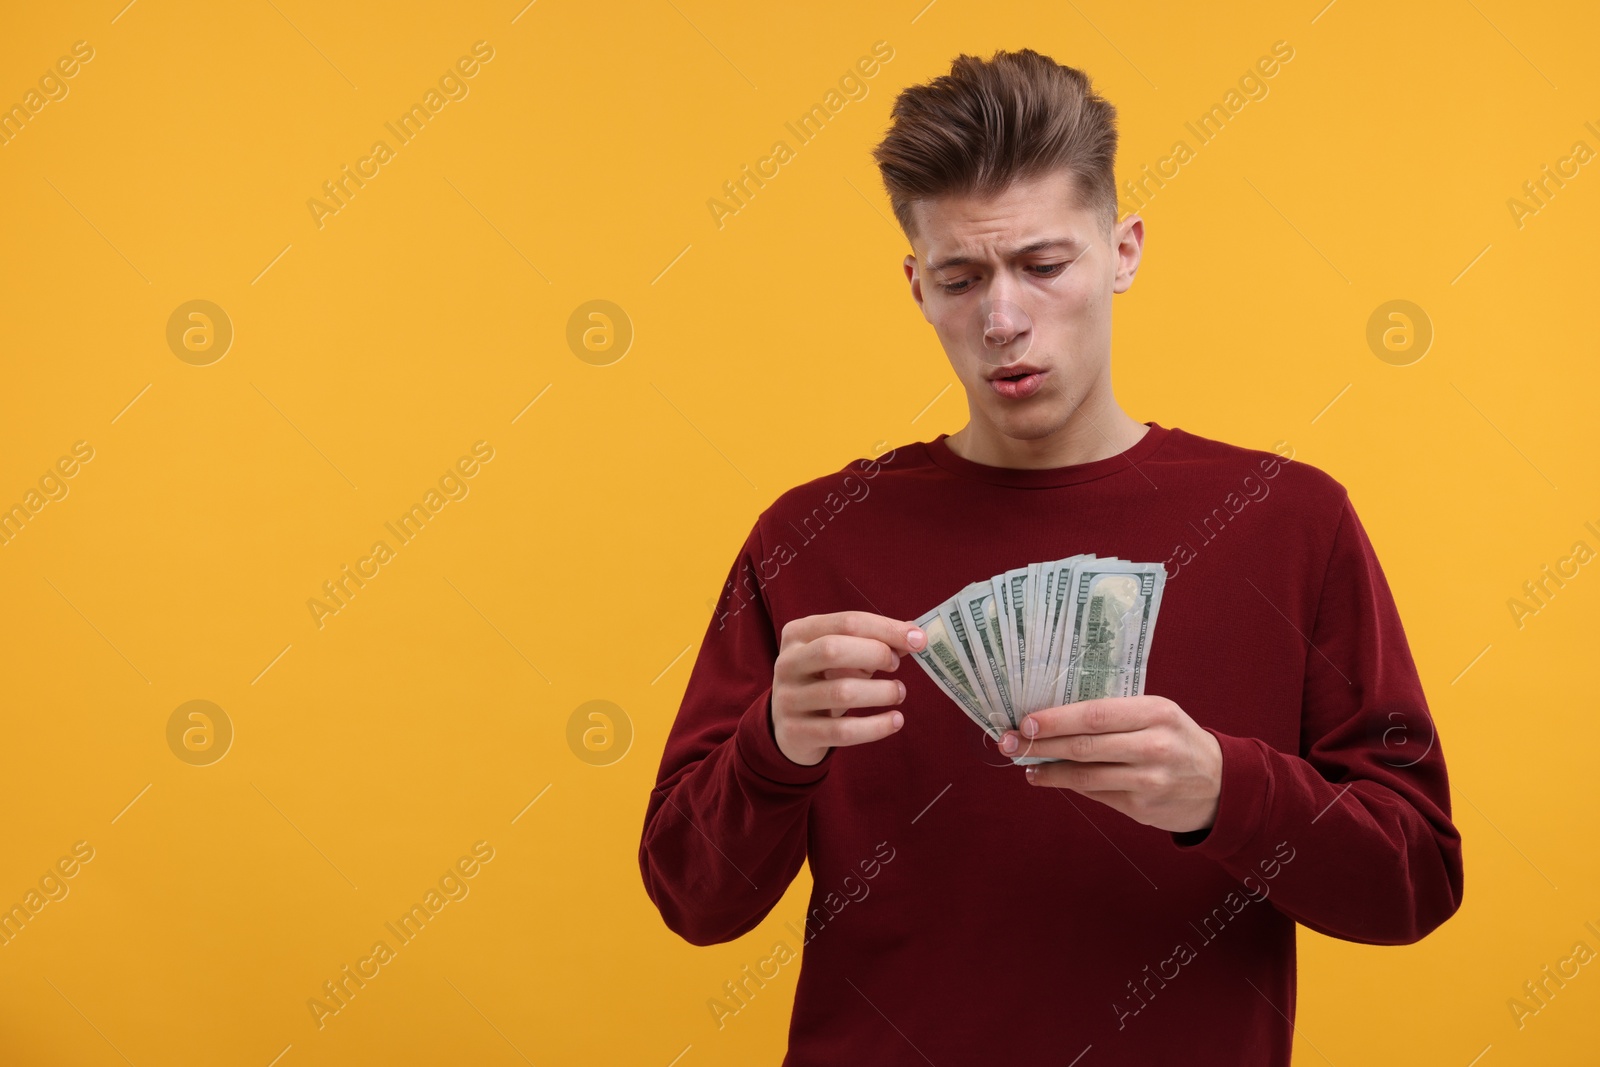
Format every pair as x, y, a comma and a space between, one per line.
1020, 384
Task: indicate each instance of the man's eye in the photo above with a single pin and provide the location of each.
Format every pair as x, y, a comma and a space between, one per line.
1046, 270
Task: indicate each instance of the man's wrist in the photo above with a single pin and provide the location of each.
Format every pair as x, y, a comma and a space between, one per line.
772, 731
1243, 799
757, 744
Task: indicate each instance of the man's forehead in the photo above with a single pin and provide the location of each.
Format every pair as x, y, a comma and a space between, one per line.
1043, 214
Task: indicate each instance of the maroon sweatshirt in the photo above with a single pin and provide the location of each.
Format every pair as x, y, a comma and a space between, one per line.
962, 916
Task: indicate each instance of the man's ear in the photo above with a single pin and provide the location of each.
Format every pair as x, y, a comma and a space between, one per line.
1128, 250
915, 278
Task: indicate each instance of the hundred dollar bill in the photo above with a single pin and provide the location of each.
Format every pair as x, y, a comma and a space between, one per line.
1020, 651
993, 710
1008, 635
1114, 606
939, 658
979, 613
1039, 584
1053, 610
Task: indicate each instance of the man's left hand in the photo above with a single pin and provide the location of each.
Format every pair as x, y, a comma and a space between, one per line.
1143, 756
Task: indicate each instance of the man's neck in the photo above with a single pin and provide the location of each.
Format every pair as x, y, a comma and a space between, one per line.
1084, 439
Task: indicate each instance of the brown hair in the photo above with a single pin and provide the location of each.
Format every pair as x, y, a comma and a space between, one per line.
987, 123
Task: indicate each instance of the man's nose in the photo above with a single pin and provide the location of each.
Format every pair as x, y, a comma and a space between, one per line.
1000, 324
1001, 320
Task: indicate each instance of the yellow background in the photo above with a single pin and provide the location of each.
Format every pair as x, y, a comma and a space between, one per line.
372, 352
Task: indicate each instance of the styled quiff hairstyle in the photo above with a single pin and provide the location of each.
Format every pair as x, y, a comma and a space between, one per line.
975, 130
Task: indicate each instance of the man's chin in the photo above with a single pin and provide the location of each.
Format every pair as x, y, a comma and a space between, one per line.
1032, 425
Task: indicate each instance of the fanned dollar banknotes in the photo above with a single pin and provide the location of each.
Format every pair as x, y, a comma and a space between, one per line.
1043, 635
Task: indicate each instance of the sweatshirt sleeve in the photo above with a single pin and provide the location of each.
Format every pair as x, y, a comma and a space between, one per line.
725, 829
1364, 808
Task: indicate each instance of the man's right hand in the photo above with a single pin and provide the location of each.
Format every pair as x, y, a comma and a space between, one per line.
825, 667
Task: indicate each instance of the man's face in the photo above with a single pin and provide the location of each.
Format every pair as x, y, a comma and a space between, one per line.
1001, 311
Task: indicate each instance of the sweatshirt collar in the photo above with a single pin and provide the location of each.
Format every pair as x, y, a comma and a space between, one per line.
1048, 477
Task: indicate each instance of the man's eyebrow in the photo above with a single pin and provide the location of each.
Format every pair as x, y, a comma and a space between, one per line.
1027, 249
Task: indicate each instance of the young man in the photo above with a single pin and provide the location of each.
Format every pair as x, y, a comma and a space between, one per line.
1135, 903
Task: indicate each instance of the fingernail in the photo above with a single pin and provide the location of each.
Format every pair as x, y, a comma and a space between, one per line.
915, 638
896, 719
1030, 773
1008, 743
902, 686
1030, 727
